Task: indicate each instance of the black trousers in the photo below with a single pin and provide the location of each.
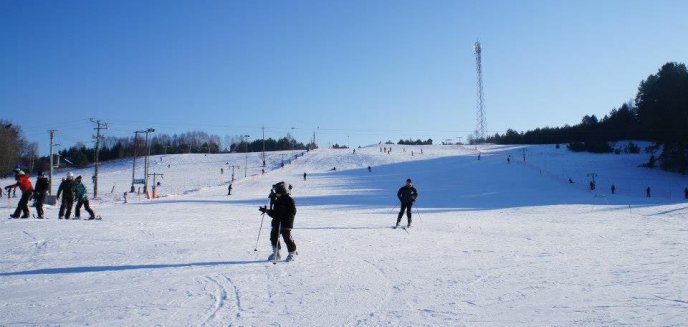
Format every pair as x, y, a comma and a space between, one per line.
286, 235
86, 206
66, 205
40, 198
23, 205
405, 206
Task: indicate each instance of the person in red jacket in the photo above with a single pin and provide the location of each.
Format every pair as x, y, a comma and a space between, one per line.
24, 184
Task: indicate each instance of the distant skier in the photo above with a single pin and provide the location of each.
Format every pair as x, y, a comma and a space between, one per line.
229, 189
40, 191
570, 180
304, 176
282, 211
508, 159
370, 169
68, 190
685, 192
407, 195
647, 192
24, 184
82, 200
613, 189
592, 185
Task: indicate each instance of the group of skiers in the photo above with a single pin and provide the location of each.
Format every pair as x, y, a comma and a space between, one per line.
71, 190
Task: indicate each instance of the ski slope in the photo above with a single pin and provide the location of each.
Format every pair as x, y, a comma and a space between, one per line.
493, 243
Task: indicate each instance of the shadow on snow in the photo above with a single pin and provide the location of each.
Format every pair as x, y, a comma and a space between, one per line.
78, 270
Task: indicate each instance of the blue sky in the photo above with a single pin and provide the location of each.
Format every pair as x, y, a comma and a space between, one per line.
361, 71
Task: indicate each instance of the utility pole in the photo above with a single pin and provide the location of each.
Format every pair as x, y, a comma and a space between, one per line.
263, 146
50, 175
133, 170
246, 153
154, 183
98, 127
145, 165
233, 166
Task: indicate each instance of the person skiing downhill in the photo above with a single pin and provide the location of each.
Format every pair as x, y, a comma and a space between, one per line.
282, 210
24, 184
82, 200
68, 190
407, 195
40, 191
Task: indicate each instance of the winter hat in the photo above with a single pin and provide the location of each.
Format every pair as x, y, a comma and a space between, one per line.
408, 180
40, 173
78, 178
281, 188
21, 172
70, 175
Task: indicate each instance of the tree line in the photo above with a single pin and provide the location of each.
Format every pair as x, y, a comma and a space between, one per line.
15, 150
659, 114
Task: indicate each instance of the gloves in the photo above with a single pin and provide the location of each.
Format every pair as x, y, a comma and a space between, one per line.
262, 209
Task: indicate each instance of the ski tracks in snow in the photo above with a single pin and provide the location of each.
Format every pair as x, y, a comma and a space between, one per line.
226, 307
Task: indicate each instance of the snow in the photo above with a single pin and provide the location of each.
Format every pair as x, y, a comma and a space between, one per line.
493, 244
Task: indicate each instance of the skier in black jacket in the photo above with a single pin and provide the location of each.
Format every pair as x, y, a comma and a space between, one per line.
68, 190
39, 193
407, 194
282, 210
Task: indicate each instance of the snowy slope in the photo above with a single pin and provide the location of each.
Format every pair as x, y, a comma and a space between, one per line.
492, 244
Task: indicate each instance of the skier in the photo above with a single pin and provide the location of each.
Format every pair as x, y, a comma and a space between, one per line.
407, 194
647, 192
40, 191
229, 189
68, 190
282, 210
82, 200
508, 159
685, 192
370, 169
613, 189
24, 184
304, 176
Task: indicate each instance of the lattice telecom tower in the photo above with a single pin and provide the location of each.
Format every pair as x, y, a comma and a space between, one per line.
480, 105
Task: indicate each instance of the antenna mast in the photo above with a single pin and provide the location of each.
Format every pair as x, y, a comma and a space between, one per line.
480, 105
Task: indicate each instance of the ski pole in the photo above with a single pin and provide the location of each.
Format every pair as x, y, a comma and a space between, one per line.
415, 210
275, 251
261, 228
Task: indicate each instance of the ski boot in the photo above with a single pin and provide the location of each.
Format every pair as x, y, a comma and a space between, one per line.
291, 256
275, 255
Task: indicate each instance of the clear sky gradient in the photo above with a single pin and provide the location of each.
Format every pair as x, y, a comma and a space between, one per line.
361, 71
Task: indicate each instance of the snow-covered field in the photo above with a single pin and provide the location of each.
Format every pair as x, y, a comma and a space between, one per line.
493, 244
